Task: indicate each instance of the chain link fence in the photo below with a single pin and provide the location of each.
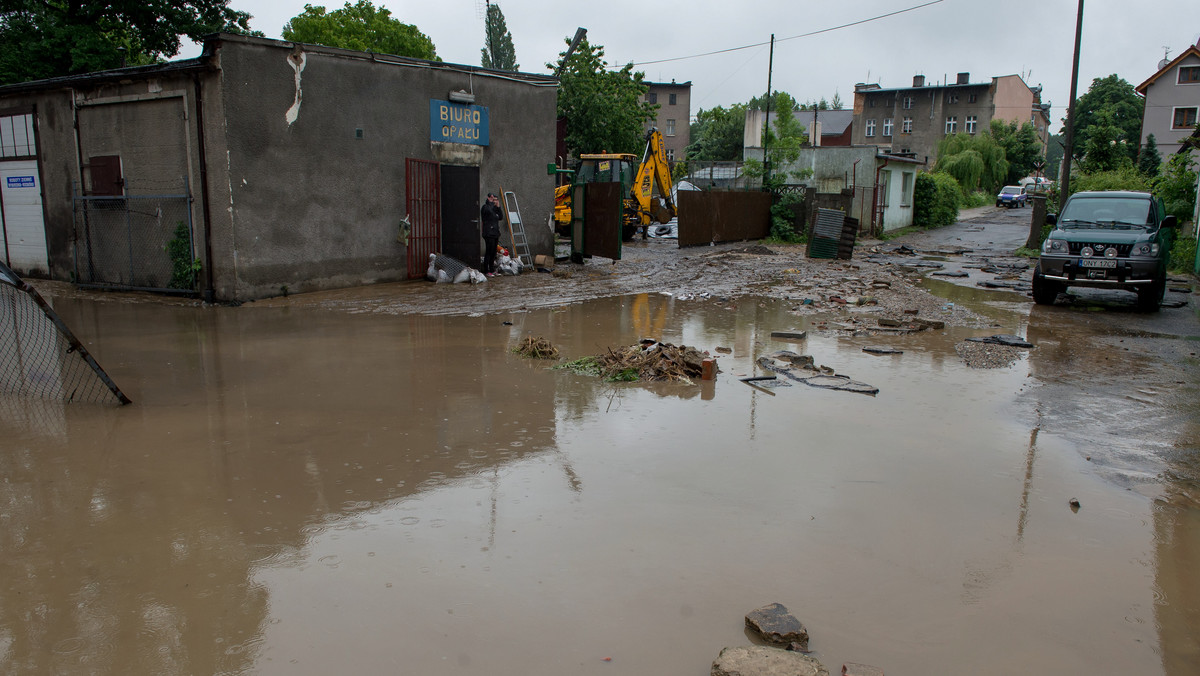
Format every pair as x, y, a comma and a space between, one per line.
135, 241
39, 356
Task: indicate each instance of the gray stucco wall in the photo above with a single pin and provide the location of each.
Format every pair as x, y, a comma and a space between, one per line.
1163, 96
300, 201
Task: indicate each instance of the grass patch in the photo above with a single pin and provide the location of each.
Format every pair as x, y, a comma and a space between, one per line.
584, 366
900, 232
1026, 252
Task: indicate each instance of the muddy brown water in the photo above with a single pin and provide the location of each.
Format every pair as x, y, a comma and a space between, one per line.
305, 491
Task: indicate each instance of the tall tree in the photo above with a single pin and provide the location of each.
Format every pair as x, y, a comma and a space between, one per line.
604, 109
783, 141
498, 50
361, 27
1021, 147
778, 101
717, 134
49, 38
1149, 157
1116, 101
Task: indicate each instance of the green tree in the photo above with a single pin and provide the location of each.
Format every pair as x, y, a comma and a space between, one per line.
784, 137
1149, 158
1021, 148
361, 27
717, 134
50, 38
604, 109
1176, 185
1106, 148
1054, 155
498, 51
779, 101
1109, 102
977, 161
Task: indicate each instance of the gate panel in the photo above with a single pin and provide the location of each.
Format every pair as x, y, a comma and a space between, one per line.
460, 214
422, 199
139, 242
603, 206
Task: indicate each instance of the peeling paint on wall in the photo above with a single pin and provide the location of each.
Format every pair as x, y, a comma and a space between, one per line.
296, 60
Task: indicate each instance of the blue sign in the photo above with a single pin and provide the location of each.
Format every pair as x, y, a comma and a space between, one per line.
458, 123
21, 182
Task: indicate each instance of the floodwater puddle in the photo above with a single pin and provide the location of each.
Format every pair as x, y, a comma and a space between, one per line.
302, 491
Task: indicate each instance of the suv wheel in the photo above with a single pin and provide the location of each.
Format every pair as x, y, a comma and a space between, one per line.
1150, 297
1045, 291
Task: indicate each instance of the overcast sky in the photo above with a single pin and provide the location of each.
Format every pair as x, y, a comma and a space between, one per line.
1034, 39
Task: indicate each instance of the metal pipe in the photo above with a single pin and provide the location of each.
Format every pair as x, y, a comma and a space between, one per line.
205, 219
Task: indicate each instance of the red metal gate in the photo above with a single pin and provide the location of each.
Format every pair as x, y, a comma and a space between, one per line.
423, 201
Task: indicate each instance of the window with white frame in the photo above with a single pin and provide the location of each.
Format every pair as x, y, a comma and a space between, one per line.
906, 126
1189, 75
908, 102
972, 121
887, 126
870, 128
670, 154
1184, 118
16, 136
670, 127
906, 188
951, 124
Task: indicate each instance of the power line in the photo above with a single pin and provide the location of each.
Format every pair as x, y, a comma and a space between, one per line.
794, 37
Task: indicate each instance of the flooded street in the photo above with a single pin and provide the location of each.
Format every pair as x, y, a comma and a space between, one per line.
304, 489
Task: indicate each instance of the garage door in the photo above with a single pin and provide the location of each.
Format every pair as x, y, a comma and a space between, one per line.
22, 231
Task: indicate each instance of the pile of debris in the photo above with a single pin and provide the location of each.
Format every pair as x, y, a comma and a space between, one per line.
648, 360
536, 348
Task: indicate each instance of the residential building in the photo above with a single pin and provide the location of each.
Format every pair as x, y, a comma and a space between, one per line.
674, 115
287, 167
1172, 101
910, 121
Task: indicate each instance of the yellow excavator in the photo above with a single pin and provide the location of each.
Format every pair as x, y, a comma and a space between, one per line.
639, 183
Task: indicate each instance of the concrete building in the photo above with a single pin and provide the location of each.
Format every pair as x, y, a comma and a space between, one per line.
912, 120
1172, 101
674, 102
294, 167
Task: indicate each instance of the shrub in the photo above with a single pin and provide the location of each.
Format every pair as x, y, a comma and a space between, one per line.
183, 267
975, 199
1183, 254
935, 200
783, 217
1176, 185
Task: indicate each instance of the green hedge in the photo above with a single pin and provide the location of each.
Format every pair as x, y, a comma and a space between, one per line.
935, 200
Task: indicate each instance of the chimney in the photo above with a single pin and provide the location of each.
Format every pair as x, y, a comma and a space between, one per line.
964, 78
918, 81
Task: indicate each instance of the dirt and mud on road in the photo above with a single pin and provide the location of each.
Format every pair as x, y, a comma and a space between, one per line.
374, 480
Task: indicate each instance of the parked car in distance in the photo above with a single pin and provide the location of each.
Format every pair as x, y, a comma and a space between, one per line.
1107, 239
1036, 185
1011, 196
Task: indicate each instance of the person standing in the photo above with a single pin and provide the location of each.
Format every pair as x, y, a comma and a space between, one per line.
490, 216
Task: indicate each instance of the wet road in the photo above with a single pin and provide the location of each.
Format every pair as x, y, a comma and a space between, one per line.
300, 490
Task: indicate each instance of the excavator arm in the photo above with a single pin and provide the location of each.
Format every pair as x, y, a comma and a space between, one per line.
654, 170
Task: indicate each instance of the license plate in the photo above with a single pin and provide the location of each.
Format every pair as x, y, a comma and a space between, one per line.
1097, 263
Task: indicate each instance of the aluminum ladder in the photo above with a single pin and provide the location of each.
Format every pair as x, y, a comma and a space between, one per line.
516, 229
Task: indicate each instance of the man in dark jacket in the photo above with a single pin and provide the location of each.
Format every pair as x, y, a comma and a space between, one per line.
489, 220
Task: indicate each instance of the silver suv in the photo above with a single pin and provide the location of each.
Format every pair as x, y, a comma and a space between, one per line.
1110, 239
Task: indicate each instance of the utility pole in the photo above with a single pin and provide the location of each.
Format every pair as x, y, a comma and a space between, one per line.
1069, 147
767, 117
